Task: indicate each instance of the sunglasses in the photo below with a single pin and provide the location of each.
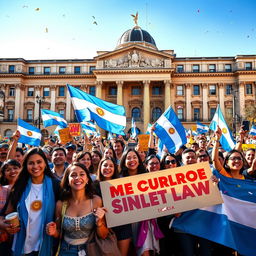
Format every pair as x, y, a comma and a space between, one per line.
170, 161
202, 156
238, 158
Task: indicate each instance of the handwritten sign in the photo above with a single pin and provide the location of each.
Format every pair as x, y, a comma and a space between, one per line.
143, 142
74, 129
151, 195
65, 136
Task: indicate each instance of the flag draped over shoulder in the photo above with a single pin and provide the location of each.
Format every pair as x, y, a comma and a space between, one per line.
231, 223
28, 133
202, 128
170, 131
226, 140
253, 130
108, 116
53, 118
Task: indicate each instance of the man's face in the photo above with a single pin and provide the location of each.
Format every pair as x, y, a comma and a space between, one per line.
189, 158
70, 152
202, 143
58, 158
3, 153
118, 148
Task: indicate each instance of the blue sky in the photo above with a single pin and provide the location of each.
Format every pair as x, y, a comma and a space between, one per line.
65, 29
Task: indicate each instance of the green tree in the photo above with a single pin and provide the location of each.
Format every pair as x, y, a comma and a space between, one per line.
250, 113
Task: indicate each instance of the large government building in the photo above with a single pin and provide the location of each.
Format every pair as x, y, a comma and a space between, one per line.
137, 75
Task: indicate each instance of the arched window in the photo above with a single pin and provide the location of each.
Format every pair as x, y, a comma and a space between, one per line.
136, 113
156, 113
8, 133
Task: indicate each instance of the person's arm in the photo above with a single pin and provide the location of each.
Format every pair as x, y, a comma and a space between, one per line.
240, 141
99, 212
215, 152
12, 149
252, 170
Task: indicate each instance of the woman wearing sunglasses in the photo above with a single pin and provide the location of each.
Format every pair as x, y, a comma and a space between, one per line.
169, 161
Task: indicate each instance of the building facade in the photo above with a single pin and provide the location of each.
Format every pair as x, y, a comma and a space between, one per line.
137, 75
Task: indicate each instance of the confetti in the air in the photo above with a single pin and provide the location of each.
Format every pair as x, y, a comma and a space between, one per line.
37, 9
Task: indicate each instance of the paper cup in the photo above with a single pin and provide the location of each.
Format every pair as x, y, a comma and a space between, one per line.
13, 218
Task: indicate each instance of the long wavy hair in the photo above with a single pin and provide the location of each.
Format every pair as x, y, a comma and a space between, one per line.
22, 181
115, 175
66, 192
124, 169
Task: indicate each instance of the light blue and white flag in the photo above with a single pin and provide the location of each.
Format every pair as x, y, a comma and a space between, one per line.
134, 129
149, 128
108, 116
231, 223
56, 131
160, 149
226, 140
253, 130
29, 134
170, 131
201, 128
89, 127
53, 118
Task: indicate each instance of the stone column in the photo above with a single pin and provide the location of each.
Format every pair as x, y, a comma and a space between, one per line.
99, 89
241, 92
146, 105
17, 107
205, 100
53, 89
120, 92
221, 97
36, 110
188, 102
167, 92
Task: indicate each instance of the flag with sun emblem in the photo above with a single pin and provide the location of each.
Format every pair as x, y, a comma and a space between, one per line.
108, 116
226, 140
29, 134
53, 118
170, 131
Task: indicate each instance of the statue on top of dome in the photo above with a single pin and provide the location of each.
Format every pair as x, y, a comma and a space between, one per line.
135, 18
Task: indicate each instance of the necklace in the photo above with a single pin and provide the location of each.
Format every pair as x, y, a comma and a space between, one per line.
36, 205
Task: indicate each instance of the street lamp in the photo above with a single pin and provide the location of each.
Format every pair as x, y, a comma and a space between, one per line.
39, 100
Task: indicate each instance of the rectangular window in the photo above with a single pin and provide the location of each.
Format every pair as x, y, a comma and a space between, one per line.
228, 68
31, 70
91, 68
156, 90
195, 68
92, 90
62, 70
12, 91
228, 89
11, 68
180, 91
212, 68
47, 70
196, 89
61, 91
248, 66
29, 114
212, 89
180, 113
248, 88
62, 112
10, 114
46, 92
180, 68
30, 91
136, 90
196, 114
77, 70
229, 112
112, 91
212, 112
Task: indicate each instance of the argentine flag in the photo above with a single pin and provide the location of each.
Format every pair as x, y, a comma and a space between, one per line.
53, 118
201, 128
89, 127
28, 133
108, 116
231, 223
170, 131
253, 130
226, 140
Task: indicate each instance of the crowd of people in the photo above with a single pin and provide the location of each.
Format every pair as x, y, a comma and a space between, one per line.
55, 190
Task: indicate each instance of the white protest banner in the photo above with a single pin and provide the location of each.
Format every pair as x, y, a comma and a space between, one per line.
151, 195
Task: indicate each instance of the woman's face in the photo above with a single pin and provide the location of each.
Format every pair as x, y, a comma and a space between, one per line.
108, 153
142, 155
170, 162
153, 165
235, 162
249, 156
36, 166
203, 157
86, 161
95, 158
18, 157
77, 178
107, 169
132, 161
11, 173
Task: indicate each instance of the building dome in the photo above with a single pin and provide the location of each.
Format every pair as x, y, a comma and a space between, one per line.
138, 36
